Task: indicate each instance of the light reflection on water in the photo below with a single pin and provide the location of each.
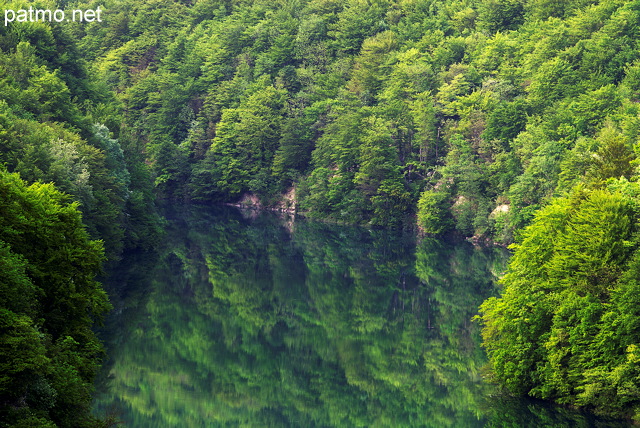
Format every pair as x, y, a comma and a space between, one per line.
260, 321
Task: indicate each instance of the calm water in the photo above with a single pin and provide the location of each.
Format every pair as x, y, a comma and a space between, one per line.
258, 321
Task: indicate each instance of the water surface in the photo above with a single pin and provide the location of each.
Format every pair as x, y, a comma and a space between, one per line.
250, 319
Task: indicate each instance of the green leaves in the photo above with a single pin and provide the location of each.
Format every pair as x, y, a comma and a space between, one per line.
433, 217
48, 305
558, 331
242, 154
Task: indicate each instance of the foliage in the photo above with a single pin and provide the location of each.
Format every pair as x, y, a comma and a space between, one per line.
432, 212
468, 116
562, 329
49, 302
51, 115
485, 98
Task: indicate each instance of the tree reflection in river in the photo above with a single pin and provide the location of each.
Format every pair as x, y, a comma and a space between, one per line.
269, 322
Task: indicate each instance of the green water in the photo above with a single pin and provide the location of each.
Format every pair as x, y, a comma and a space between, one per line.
259, 321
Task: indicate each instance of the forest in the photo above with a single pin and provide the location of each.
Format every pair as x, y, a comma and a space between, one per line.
510, 122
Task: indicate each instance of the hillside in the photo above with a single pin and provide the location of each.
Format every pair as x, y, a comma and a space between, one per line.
469, 115
498, 121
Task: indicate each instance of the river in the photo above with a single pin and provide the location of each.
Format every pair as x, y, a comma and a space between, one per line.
252, 319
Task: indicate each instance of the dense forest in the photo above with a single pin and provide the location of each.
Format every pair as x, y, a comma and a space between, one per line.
54, 237
466, 115
500, 121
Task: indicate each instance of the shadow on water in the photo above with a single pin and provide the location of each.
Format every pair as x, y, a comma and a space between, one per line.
250, 319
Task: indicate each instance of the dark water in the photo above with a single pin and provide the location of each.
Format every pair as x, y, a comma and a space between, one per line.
267, 322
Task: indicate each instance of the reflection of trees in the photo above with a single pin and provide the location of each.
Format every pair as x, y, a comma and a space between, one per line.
513, 412
251, 323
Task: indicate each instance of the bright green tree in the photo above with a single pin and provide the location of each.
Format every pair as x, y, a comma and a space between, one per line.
562, 320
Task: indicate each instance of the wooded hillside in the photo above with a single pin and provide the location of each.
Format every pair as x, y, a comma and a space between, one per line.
460, 116
471, 115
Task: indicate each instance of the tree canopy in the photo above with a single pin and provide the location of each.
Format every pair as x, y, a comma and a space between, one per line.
501, 121
49, 301
565, 327
465, 115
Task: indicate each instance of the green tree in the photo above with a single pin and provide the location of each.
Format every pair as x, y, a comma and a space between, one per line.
246, 142
550, 333
49, 353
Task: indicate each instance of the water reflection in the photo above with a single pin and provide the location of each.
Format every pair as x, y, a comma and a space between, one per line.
259, 321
